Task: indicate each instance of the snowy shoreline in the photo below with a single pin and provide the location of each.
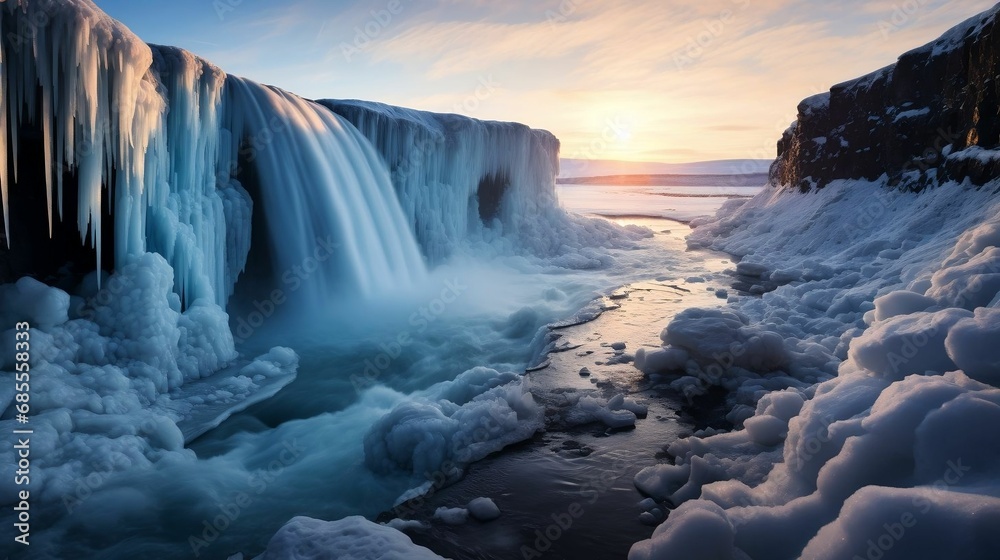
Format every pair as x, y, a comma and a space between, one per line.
840, 459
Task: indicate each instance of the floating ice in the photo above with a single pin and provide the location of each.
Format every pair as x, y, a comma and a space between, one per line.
616, 412
452, 516
483, 509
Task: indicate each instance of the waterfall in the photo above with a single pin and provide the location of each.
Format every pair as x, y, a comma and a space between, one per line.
321, 182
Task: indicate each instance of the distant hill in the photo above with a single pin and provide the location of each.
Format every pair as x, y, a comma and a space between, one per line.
598, 168
740, 180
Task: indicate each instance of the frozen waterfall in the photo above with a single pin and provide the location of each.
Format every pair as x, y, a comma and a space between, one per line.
462, 179
153, 139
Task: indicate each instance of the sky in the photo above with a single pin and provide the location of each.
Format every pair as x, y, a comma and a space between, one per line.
634, 80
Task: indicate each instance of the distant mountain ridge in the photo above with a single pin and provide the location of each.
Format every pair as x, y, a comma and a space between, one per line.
569, 167
688, 180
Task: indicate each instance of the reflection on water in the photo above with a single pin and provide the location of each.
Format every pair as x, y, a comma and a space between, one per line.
673, 202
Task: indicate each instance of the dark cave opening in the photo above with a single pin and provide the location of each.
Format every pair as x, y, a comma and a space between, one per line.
64, 258
490, 193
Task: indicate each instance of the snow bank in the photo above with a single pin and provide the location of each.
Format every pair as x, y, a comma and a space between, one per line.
304, 538
894, 293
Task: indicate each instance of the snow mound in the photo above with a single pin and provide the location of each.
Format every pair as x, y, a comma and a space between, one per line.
972, 345
722, 336
31, 301
356, 538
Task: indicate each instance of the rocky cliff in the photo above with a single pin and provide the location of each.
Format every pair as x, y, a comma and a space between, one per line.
932, 116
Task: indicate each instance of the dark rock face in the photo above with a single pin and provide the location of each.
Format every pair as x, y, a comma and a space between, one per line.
931, 117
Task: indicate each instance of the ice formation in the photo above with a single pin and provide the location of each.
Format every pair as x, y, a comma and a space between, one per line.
453, 423
112, 376
131, 365
96, 112
192, 176
201, 220
107, 118
483, 509
170, 133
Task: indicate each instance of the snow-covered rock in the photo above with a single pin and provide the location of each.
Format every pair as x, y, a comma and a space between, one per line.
304, 538
483, 509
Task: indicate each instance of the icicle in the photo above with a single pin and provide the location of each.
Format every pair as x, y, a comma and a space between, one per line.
4, 103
